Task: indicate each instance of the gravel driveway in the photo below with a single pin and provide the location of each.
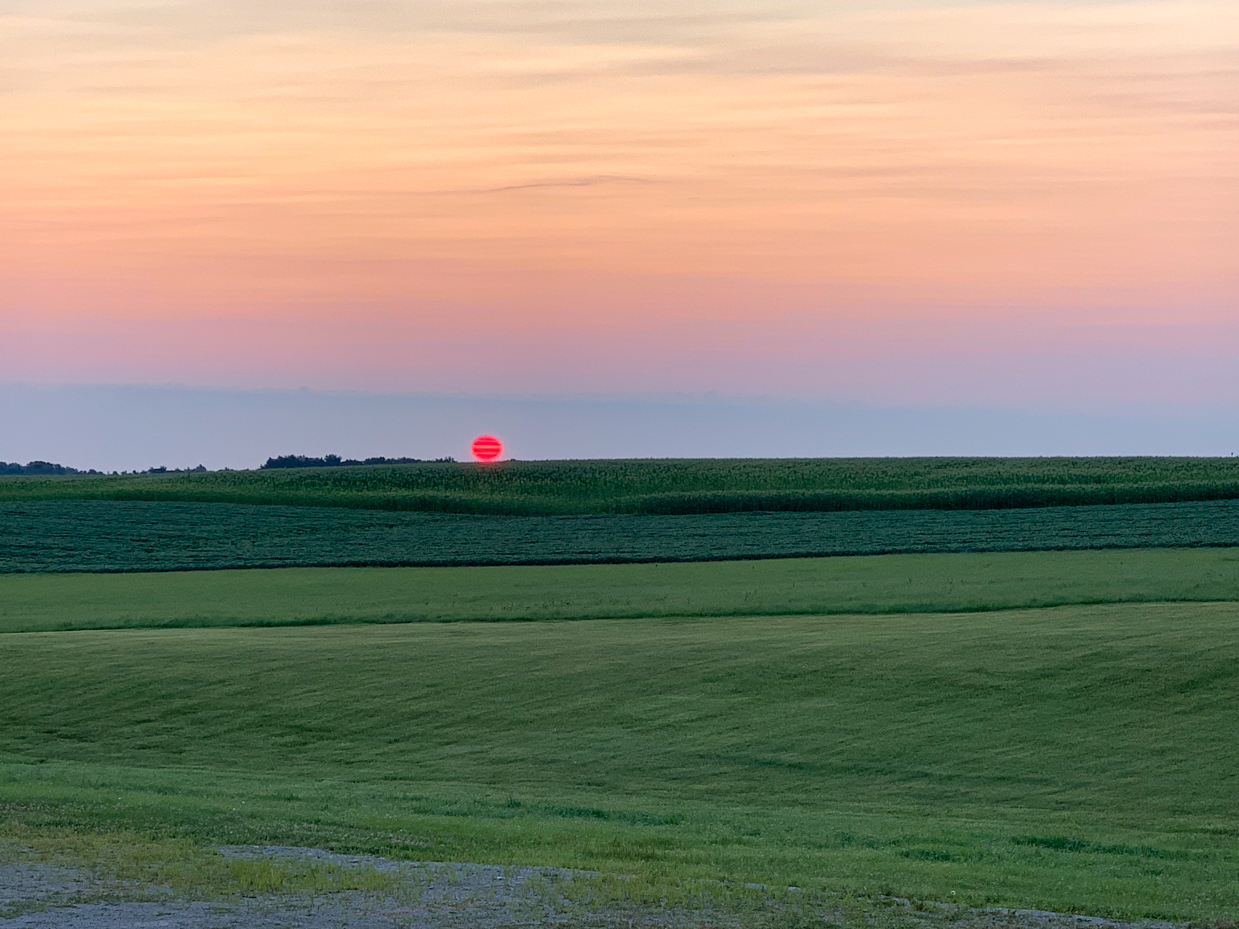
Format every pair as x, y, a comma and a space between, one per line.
425, 895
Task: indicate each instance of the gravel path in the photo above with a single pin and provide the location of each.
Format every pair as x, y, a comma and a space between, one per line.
428, 895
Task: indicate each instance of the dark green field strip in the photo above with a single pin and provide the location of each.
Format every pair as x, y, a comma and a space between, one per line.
68, 535
822, 586
671, 487
1081, 759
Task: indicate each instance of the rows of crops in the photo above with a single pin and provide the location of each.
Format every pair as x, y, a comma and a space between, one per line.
116, 536
677, 486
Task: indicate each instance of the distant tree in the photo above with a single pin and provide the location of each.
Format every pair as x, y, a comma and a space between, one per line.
38, 467
335, 461
294, 461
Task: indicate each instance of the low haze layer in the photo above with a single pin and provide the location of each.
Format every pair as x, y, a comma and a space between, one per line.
135, 428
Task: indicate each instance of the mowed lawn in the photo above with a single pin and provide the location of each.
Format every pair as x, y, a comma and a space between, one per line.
1077, 758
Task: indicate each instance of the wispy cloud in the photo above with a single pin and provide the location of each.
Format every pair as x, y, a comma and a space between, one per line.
596, 180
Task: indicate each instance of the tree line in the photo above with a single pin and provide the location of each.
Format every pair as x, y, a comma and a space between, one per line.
335, 461
283, 461
40, 467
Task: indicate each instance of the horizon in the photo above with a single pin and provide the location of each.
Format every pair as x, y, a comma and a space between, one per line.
138, 427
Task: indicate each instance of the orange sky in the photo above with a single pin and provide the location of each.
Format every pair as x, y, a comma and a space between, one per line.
574, 196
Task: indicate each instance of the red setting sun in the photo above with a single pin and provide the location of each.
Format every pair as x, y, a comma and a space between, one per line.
486, 448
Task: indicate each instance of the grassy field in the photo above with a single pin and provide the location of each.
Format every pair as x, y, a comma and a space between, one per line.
1051, 729
677, 486
88, 535
875, 584
1080, 758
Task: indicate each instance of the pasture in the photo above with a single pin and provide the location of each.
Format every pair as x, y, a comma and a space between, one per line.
1077, 758
675, 486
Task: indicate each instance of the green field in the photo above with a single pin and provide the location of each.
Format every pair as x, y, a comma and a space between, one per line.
1081, 759
676, 486
822, 586
983, 726
109, 536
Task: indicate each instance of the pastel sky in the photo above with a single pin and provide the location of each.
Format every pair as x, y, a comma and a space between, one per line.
895, 201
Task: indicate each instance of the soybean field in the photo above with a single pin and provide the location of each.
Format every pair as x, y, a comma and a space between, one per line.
112, 536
